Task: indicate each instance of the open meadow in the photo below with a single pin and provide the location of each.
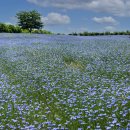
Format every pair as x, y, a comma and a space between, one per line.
55, 82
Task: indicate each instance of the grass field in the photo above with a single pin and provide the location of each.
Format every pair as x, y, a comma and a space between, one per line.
50, 82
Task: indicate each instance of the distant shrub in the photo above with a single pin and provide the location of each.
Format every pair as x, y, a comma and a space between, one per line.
25, 31
3, 27
42, 31
18, 29
74, 33
9, 28
100, 33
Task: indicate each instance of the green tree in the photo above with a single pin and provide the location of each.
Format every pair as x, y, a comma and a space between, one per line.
29, 20
3, 27
11, 28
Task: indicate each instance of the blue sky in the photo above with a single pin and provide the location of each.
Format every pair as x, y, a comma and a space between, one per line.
66, 16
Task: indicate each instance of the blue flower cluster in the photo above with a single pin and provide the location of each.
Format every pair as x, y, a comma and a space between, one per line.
64, 82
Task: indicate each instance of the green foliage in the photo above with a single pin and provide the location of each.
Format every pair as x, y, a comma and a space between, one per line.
74, 33
29, 20
3, 27
18, 29
13, 29
74, 62
42, 31
100, 33
9, 28
68, 59
25, 31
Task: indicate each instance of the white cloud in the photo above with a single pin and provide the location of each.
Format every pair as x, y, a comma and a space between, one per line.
105, 20
114, 7
56, 19
110, 28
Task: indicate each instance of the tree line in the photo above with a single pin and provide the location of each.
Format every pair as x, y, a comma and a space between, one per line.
100, 33
9, 28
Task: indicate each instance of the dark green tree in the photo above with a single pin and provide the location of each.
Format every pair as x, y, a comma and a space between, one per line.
11, 28
3, 27
29, 20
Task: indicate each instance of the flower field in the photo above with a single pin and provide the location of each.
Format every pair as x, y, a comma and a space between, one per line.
50, 82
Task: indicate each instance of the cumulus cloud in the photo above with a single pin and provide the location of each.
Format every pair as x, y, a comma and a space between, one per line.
105, 20
115, 7
55, 19
110, 28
